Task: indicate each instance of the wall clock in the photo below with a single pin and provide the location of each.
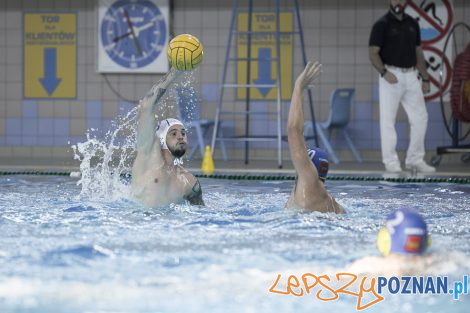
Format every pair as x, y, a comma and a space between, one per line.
133, 36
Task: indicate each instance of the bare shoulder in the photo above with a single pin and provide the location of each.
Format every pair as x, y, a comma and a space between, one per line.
193, 192
338, 208
191, 181
311, 195
308, 183
188, 176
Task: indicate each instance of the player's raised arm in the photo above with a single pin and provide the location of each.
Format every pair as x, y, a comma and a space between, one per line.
146, 119
295, 121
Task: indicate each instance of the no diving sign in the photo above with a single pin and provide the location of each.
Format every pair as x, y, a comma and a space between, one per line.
435, 18
433, 64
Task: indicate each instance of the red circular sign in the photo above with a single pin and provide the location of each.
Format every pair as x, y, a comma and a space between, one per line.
434, 73
442, 30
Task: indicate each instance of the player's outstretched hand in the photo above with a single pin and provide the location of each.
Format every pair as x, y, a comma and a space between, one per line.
311, 72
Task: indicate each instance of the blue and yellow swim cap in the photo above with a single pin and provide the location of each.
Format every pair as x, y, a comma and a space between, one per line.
405, 232
320, 160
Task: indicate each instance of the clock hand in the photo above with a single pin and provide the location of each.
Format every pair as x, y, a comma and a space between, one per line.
134, 37
117, 38
138, 29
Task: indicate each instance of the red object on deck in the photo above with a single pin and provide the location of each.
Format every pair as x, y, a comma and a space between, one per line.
460, 89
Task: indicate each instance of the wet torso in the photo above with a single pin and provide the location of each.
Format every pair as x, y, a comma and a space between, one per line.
159, 184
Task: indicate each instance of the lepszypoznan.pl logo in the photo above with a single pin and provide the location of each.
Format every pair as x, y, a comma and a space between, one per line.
375, 287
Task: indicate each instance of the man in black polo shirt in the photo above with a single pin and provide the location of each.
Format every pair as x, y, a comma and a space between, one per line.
395, 51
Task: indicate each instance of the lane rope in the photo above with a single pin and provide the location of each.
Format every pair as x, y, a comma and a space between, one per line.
455, 180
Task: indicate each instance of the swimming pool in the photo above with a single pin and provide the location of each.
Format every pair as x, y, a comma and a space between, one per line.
65, 252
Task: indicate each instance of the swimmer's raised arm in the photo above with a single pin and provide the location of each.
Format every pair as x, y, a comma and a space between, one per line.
158, 90
146, 120
295, 121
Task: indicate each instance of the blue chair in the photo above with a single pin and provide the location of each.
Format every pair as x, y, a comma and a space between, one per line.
188, 104
340, 112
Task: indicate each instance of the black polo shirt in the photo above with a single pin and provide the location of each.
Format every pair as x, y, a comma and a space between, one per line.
397, 39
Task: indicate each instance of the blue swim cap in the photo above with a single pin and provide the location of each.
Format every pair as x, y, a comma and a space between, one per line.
320, 160
405, 232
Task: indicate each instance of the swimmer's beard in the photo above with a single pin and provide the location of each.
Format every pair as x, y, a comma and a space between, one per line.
178, 152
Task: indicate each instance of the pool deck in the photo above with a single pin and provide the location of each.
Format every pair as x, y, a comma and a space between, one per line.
343, 168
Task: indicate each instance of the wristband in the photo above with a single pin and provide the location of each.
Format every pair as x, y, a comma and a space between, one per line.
425, 80
382, 73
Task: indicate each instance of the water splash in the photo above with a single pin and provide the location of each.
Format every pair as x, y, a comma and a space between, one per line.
106, 162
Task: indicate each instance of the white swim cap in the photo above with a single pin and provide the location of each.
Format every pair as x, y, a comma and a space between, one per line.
163, 128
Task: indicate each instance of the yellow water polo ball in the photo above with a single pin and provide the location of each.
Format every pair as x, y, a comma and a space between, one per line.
185, 52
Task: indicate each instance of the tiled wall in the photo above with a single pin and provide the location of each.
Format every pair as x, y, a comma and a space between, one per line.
336, 32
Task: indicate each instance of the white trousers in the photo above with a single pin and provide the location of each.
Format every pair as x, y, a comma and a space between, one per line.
408, 92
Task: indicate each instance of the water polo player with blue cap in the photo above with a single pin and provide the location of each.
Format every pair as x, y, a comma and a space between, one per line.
158, 177
311, 165
319, 158
405, 232
402, 242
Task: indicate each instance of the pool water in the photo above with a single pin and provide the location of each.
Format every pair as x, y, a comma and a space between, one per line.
65, 250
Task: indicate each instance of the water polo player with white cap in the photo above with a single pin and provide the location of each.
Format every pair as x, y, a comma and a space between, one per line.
163, 129
311, 165
158, 177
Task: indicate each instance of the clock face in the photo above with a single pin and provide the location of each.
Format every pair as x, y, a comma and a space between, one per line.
133, 33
